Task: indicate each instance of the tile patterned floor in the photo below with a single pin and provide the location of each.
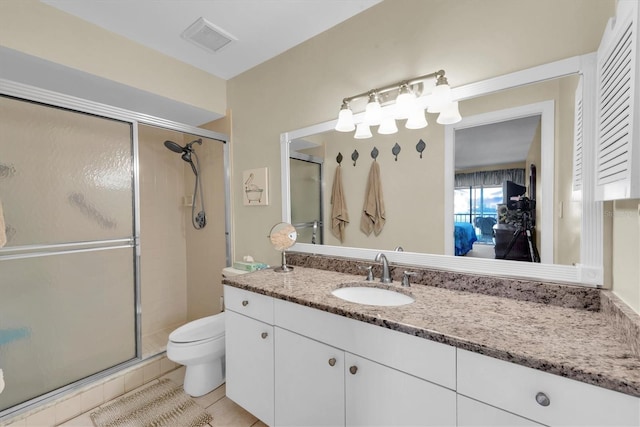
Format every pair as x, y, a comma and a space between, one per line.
224, 411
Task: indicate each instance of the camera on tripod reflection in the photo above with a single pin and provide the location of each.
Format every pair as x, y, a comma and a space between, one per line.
524, 204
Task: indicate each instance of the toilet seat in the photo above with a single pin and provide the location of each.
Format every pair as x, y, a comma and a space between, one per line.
205, 329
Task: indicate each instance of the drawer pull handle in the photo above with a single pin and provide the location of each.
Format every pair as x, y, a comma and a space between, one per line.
264, 335
332, 361
543, 399
353, 370
245, 303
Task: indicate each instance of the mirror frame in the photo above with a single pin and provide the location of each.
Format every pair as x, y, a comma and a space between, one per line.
589, 272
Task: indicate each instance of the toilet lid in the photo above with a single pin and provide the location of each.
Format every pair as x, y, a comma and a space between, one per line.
199, 330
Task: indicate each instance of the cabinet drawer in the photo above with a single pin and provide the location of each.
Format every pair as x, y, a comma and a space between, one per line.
420, 357
514, 388
256, 306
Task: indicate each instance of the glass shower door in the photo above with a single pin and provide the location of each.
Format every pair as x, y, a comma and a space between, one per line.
67, 269
306, 198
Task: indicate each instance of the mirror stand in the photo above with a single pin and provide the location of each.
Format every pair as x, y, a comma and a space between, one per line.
284, 268
283, 235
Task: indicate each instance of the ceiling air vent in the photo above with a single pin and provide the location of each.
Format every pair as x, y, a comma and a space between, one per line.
207, 36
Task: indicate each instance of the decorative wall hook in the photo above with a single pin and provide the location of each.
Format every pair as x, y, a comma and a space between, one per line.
354, 156
374, 153
339, 157
420, 146
396, 150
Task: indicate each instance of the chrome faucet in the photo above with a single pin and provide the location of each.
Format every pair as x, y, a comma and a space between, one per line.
386, 277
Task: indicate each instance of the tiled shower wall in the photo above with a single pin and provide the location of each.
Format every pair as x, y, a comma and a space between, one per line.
163, 268
181, 266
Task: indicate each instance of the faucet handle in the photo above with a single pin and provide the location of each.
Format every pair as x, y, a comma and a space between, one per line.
369, 272
405, 277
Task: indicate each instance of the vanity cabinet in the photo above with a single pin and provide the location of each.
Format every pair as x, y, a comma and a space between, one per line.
331, 370
542, 397
317, 384
292, 365
249, 341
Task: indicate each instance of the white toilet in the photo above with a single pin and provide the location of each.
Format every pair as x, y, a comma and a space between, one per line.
199, 345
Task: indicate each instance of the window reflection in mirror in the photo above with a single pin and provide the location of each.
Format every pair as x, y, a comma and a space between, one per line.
413, 187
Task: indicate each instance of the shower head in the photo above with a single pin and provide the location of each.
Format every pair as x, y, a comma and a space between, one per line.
185, 151
178, 149
197, 141
173, 147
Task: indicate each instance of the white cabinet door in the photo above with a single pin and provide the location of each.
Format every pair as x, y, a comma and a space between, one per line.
309, 382
249, 364
474, 413
380, 396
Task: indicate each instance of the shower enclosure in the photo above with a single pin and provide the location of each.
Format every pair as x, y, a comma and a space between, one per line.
70, 270
67, 270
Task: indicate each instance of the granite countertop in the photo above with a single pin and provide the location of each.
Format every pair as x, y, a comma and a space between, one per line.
579, 344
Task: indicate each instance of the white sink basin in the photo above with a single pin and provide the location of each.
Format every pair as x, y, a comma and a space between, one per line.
372, 296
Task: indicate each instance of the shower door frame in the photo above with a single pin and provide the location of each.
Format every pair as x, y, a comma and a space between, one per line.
320, 162
54, 99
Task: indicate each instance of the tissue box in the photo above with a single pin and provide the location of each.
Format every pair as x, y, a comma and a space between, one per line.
249, 266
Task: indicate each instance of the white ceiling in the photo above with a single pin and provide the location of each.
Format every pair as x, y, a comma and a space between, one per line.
495, 144
263, 28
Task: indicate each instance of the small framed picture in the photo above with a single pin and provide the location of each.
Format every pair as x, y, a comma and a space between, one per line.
255, 187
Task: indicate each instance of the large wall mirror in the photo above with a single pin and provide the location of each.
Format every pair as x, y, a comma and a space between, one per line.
457, 181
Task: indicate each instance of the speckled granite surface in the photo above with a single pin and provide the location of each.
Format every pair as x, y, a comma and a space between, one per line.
525, 290
576, 343
625, 320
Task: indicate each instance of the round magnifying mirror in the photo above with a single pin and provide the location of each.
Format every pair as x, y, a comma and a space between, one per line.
282, 236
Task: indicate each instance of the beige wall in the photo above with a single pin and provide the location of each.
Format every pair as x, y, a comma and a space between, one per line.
411, 187
37, 29
399, 39
626, 250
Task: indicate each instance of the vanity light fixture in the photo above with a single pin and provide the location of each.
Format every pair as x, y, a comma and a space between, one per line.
399, 101
388, 126
373, 112
345, 119
362, 131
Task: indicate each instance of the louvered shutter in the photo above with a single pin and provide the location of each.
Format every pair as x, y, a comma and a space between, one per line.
578, 139
616, 117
